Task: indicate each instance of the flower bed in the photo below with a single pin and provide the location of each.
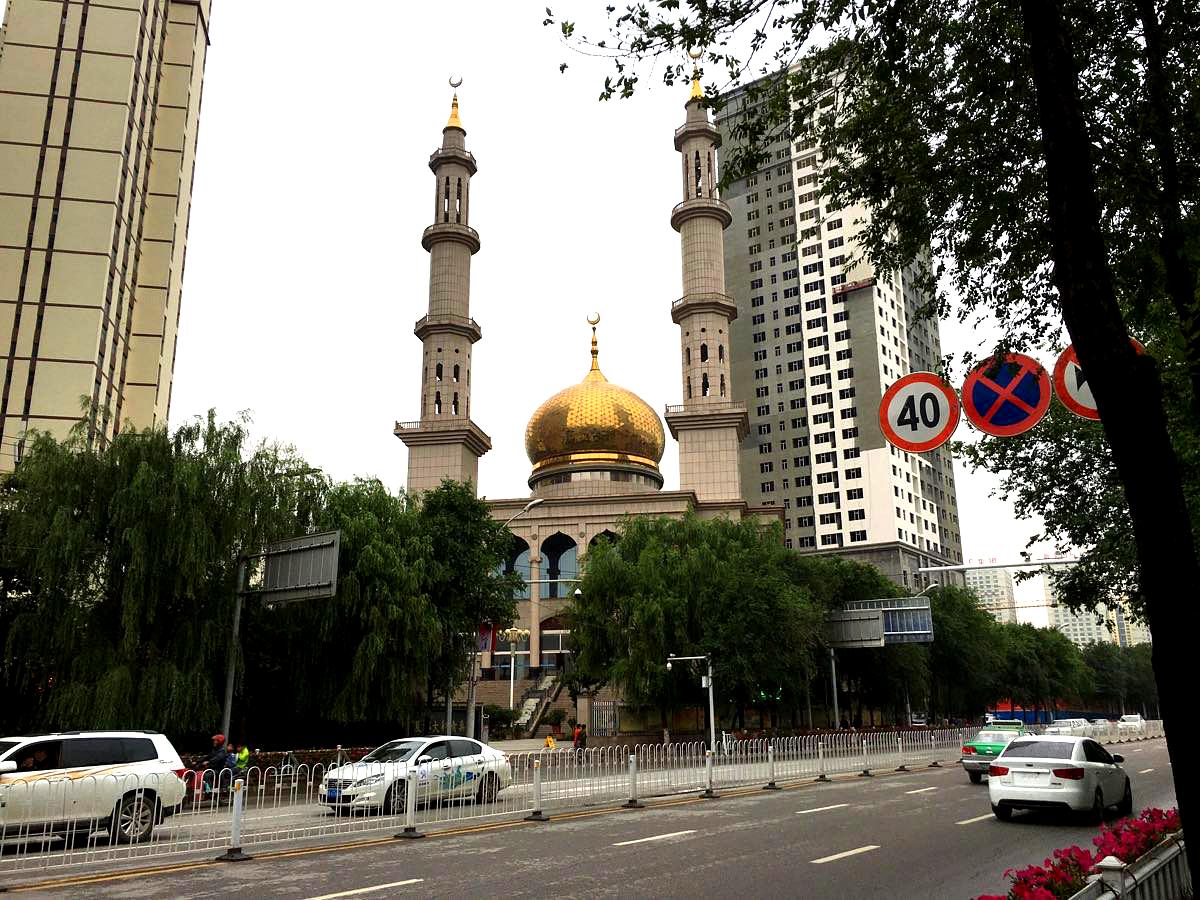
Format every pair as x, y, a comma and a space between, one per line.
1066, 872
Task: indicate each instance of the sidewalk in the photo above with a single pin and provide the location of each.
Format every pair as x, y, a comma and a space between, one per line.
519, 746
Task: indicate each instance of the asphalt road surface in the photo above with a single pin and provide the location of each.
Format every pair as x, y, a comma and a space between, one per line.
925, 833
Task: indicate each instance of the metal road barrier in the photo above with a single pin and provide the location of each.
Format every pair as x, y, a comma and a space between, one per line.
58, 825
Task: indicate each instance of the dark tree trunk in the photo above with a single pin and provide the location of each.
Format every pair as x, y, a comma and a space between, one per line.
1126, 386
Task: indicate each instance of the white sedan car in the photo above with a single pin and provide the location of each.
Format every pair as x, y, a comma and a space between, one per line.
1132, 724
1062, 772
447, 767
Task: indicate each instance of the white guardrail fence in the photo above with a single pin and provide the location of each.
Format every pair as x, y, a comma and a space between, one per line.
52, 825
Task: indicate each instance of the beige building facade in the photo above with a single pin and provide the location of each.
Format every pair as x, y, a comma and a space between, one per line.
99, 114
819, 336
996, 592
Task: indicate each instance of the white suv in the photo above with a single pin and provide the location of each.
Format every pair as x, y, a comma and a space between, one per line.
77, 782
1132, 724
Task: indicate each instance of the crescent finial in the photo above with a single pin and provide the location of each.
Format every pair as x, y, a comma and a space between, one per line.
594, 319
695, 53
455, 82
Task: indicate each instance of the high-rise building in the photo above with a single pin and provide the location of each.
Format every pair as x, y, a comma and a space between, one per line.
1103, 624
99, 112
994, 587
819, 336
445, 443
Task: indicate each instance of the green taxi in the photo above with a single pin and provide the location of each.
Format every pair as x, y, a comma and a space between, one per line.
982, 750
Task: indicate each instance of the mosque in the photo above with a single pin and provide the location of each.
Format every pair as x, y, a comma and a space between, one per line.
594, 446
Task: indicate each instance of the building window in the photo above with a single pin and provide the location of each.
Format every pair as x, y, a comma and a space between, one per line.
858, 535
856, 515
828, 540
853, 473
767, 487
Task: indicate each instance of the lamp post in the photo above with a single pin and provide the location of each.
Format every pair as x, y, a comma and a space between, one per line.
514, 636
707, 682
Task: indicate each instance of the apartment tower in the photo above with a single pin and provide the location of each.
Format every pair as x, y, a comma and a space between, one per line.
817, 340
99, 112
996, 593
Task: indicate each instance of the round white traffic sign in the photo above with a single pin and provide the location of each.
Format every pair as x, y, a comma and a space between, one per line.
919, 412
1072, 386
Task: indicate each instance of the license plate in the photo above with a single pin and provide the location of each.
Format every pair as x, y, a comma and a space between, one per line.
333, 793
1030, 778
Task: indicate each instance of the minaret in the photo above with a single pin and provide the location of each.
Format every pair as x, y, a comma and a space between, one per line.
445, 443
709, 425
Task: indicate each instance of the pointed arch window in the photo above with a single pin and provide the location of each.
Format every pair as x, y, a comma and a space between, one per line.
689, 387
458, 203
437, 403
699, 177
456, 373
720, 352
446, 200
454, 404
704, 353
704, 385
687, 353
722, 385
710, 173
437, 373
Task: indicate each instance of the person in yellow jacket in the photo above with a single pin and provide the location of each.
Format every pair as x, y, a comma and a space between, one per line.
550, 742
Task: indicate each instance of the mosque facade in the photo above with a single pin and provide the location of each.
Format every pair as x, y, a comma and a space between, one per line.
594, 447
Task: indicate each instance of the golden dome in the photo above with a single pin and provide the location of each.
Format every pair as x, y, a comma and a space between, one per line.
594, 422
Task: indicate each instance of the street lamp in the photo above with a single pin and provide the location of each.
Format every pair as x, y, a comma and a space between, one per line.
929, 587
538, 501
514, 636
707, 682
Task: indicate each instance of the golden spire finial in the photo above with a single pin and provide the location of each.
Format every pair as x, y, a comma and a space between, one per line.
697, 91
594, 320
454, 121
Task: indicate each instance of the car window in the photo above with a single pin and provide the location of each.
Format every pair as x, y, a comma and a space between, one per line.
393, 751
1093, 752
138, 750
463, 747
5, 746
93, 751
1035, 749
993, 737
40, 756
438, 750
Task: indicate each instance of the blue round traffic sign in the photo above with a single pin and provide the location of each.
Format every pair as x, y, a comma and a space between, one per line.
1008, 399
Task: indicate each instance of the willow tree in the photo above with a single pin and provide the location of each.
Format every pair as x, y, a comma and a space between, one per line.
125, 561
1047, 152
690, 587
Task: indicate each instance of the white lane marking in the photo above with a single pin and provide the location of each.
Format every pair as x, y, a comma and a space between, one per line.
657, 837
368, 890
805, 812
921, 790
854, 852
974, 820
1137, 749
1145, 771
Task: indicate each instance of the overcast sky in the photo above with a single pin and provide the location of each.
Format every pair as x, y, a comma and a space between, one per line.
305, 272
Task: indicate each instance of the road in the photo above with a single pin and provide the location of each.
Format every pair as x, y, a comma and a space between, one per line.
927, 832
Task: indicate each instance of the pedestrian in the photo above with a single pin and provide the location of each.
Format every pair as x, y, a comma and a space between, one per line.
575, 736
217, 759
583, 736
243, 758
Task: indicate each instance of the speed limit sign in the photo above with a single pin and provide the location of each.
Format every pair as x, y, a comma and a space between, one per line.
919, 412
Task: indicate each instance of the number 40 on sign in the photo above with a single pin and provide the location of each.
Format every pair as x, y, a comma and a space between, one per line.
919, 412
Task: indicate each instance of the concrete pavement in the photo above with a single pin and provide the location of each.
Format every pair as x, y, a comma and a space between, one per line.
928, 832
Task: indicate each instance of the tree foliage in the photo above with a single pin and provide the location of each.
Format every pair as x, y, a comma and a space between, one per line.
119, 571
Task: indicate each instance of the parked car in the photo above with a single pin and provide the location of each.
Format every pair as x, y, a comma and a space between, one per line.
1132, 724
75, 783
447, 767
979, 752
1064, 772
1077, 727
918, 720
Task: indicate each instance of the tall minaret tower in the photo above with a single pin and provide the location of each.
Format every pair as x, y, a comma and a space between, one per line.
445, 443
709, 425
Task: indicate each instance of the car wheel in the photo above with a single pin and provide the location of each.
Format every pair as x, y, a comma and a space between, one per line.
394, 801
975, 777
133, 819
1125, 807
1003, 813
1096, 813
489, 787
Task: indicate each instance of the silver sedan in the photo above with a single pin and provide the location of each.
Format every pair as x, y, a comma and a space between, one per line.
1064, 772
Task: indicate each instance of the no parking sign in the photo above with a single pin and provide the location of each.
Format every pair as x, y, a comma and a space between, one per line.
1007, 401
919, 412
